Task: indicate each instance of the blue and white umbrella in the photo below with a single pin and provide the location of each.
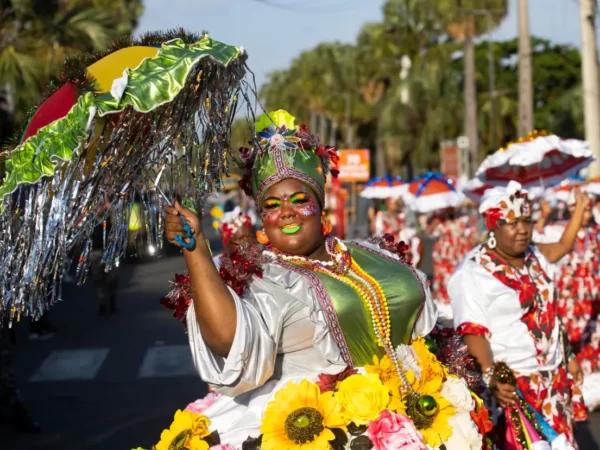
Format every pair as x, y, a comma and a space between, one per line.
384, 187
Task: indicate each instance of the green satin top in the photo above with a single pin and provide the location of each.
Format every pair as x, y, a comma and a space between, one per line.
404, 295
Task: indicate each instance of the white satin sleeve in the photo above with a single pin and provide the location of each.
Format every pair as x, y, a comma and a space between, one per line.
260, 317
468, 304
429, 314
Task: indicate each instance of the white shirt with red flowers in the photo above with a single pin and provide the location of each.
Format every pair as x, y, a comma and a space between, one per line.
485, 305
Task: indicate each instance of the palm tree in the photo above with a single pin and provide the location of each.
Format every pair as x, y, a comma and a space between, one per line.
466, 20
413, 126
37, 35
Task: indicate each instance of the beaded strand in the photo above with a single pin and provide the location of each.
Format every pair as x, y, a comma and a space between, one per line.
345, 269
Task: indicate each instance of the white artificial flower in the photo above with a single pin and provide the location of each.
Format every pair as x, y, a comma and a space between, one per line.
465, 435
455, 390
408, 358
277, 141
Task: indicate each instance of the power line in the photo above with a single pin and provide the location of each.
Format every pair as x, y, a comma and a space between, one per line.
303, 8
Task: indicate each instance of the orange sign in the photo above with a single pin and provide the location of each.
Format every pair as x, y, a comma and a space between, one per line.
450, 163
354, 165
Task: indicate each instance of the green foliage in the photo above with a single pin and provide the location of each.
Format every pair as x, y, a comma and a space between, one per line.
38, 35
556, 77
412, 115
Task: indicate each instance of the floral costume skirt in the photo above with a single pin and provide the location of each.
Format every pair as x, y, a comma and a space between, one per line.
555, 396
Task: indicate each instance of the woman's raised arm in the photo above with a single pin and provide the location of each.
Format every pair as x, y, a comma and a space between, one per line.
554, 252
213, 304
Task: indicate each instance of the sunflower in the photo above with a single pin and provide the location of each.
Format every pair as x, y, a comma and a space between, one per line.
186, 432
435, 428
300, 417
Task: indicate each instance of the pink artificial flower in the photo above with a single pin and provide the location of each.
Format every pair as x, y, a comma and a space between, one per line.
392, 431
221, 447
199, 406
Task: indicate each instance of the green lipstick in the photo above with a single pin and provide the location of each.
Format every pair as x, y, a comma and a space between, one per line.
291, 229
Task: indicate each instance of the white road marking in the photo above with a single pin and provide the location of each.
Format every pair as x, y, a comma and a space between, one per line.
76, 364
167, 361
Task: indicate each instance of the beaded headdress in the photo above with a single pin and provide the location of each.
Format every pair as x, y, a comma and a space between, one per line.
501, 205
281, 151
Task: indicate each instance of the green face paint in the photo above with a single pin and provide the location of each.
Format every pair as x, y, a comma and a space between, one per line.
291, 229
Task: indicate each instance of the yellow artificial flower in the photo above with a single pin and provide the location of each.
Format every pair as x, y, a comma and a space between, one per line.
428, 361
385, 369
186, 432
301, 418
430, 381
397, 401
363, 397
279, 118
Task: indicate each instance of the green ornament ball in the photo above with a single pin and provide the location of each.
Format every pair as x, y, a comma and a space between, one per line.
427, 405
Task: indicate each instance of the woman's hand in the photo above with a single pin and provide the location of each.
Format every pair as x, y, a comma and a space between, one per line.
506, 394
582, 199
174, 224
576, 372
545, 209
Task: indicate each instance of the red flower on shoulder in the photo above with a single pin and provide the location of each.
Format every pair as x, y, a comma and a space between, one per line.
388, 242
238, 268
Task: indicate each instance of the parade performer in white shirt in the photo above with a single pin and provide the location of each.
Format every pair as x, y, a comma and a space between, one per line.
504, 303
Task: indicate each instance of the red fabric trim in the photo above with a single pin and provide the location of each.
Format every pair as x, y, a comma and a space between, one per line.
474, 329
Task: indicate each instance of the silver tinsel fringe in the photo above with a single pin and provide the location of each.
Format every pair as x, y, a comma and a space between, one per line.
46, 228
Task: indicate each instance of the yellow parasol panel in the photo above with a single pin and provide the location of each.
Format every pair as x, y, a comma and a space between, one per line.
112, 66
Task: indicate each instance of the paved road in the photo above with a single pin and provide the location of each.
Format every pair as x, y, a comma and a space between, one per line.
110, 383
107, 383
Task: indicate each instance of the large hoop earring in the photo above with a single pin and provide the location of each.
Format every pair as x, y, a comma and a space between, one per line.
491, 242
326, 226
262, 237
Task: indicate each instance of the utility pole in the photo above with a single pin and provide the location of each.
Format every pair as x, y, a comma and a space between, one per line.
525, 75
589, 67
470, 99
492, 82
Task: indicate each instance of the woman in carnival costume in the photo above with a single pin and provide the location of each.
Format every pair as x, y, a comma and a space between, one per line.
392, 220
235, 228
578, 276
504, 303
312, 343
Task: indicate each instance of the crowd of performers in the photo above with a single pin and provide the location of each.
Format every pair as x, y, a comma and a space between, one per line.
521, 294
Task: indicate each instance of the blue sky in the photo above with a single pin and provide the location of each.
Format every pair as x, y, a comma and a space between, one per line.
273, 36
